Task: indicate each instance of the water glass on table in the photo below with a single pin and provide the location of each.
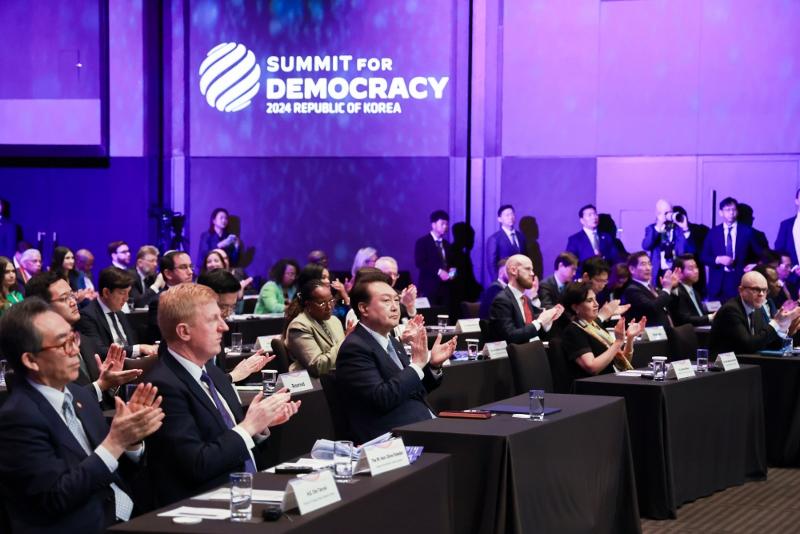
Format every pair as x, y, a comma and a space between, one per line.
3, 365
536, 397
788, 346
236, 342
343, 460
702, 360
442, 321
472, 349
659, 367
269, 381
241, 496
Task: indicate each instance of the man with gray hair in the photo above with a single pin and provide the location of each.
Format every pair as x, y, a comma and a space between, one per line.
30, 263
408, 296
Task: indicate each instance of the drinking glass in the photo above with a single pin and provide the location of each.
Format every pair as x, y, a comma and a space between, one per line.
269, 381
442, 321
702, 360
472, 349
236, 342
343, 460
241, 496
536, 397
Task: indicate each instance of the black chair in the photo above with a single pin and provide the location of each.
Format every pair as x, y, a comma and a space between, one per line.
563, 377
470, 310
530, 367
249, 305
341, 429
683, 342
281, 362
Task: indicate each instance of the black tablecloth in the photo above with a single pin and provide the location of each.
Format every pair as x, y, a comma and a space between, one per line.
644, 351
570, 473
690, 437
417, 498
780, 379
703, 334
467, 384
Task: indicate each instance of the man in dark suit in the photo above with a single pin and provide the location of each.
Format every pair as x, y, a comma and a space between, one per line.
646, 301
589, 241
686, 306
432, 256
665, 239
552, 287
787, 275
741, 326
513, 317
728, 248
205, 436
102, 378
788, 239
696, 234
10, 232
505, 242
62, 468
103, 320
144, 274
488, 295
176, 268
379, 387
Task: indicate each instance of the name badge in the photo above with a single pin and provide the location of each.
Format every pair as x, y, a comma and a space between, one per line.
727, 360
422, 303
468, 326
386, 456
296, 381
655, 333
311, 492
496, 349
681, 369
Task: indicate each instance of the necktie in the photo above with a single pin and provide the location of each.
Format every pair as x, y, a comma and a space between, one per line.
514, 240
123, 503
729, 241
526, 306
595, 242
751, 319
119, 335
226, 417
393, 354
440, 246
693, 296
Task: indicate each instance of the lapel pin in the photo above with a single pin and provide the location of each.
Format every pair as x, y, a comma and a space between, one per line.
79, 405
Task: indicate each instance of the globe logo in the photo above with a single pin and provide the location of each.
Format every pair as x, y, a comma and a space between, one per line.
229, 77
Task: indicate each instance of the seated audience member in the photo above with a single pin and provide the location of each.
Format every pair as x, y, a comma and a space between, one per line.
10, 232
276, 294
218, 255
62, 468
176, 268
696, 234
84, 263
380, 389
595, 272
367, 274
144, 274
618, 281
408, 296
205, 436
213, 260
666, 239
227, 289
488, 295
739, 325
589, 241
313, 271
63, 264
120, 254
552, 287
686, 306
506, 242
30, 264
365, 257
646, 301
512, 317
774, 288
101, 377
103, 320
586, 344
218, 236
787, 275
318, 257
313, 338
9, 294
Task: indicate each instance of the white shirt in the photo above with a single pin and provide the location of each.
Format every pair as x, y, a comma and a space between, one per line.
518, 298
195, 371
591, 235
383, 341
693, 297
136, 349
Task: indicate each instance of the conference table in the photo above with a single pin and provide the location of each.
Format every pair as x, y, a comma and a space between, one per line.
416, 498
572, 472
690, 437
780, 378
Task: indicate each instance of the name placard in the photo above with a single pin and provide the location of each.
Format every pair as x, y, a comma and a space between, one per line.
265, 342
495, 349
386, 456
681, 369
468, 326
422, 303
655, 333
311, 492
713, 305
727, 360
296, 381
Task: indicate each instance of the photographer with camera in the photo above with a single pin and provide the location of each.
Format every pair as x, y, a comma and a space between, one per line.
666, 239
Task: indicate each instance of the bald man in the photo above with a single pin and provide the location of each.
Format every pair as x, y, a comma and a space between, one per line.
666, 239
741, 325
513, 317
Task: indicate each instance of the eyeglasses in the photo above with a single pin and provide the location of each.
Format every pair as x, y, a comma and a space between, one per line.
66, 298
756, 289
74, 339
325, 303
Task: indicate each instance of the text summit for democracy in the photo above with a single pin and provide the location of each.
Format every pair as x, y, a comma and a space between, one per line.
358, 88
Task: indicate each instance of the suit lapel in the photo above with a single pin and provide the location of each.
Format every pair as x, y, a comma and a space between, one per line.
92, 432
101, 319
519, 319
56, 425
193, 386
383, 358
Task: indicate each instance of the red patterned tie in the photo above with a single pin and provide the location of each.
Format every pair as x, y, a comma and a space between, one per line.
528, 312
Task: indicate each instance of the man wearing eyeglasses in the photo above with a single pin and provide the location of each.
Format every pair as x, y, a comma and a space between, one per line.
176, 268
408, 296
741, 326
62, 468
102, 378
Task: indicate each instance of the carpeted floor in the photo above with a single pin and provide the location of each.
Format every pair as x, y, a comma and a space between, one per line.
768, 507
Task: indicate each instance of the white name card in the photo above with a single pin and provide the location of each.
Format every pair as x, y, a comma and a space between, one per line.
655, 333
386, 456
496, 349
422, 303
399, 329
311, 492
265, 342
296, 381
468, 326
727, 360
713, 305
681, 369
